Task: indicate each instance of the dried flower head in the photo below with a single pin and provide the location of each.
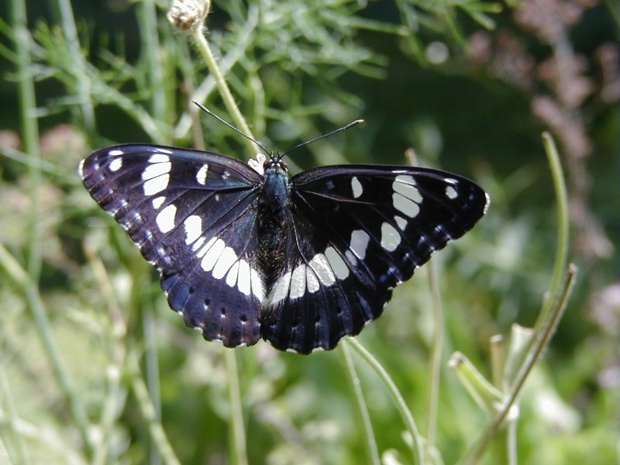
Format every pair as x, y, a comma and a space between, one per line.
188, 15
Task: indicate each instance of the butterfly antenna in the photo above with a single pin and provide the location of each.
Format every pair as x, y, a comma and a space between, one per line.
206, 110
344, 128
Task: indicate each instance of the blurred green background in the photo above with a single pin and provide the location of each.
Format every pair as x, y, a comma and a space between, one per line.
94, 367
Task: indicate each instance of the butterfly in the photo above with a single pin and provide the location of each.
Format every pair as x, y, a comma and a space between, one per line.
245, 252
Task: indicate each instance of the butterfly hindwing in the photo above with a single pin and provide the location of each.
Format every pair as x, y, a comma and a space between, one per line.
192, 214
316, 300
359, 231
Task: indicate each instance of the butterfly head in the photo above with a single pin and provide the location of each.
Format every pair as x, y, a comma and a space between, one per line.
276, 162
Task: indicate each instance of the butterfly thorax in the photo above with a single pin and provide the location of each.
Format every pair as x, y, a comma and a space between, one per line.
273, 217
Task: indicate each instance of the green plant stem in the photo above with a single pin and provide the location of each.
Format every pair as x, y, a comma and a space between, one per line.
82, 79
151, 54
114, 395
35, 304
29, 131
151, 359
498, 361
474, 455
155, 429
435, 361
23, 280
371, 442
551, 312
225, 64
13, 269
238, 443
237, 429
46, 436
222, 86
561, 254
401, 406
11, 439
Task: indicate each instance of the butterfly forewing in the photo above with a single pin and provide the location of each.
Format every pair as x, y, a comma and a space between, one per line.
359, 232
192, 214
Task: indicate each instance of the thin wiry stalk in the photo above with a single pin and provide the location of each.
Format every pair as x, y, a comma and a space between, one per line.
225, 64
435, 361
551, 313
151, 53
28, 279
561, 254
229, 100
45, 436
370, 442
138, 271
35, 303
475, 454
30, 132
82, 80
151, 360
13, 441
237, 429
101, 449
155, 429
399, 401
238, 441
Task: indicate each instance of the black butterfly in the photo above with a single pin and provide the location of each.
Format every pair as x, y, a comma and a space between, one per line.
246, 252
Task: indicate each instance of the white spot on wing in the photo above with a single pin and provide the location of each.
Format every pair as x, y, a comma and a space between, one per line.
213, 253
193, 228
405, 185
258, 288
322, 269
243, 278
201, 175
451, 193
156, 174
359, 243
224, 262
198, 244
116, 164
341, 270
298, 282
156, 169
404, 205
281, 288
405, 179
356, 185
204, 249
233, 273
311, 281
401, 222
115, 152
156, 185
390, 237
165, 218
157, 202
159, 158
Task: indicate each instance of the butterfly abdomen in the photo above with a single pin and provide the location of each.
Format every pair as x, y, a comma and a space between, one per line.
273, 217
